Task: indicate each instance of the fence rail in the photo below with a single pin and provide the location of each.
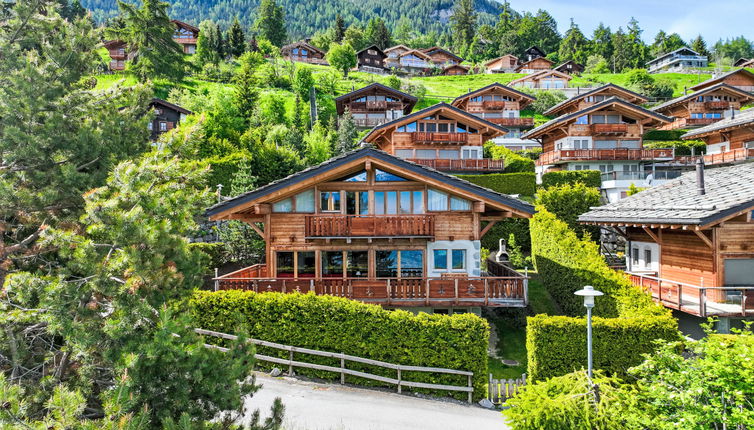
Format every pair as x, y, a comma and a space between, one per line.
343, 370
500, 390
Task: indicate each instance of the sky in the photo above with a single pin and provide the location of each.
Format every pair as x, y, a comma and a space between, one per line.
713, 19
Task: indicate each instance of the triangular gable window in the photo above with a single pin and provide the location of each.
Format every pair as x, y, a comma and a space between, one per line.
382, 176
354, 177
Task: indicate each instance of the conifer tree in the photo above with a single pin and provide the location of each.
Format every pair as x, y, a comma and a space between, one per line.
236, 39
464, 20
270, 22
207, 43
574, 45
339, 29
378, 34
602, 42
699, 45
347, 134
245, 94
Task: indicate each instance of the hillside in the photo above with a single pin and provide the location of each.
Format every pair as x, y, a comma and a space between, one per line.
304, 17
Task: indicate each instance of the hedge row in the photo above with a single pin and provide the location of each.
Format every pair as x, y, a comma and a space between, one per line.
556, 345
524, 183
513, 161
336, 324
590, 178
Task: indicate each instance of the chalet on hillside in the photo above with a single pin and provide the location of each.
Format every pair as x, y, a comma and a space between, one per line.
375, 104
304, 52
442, 57
689, 240
440, 136
118, 55
742, 62
571, 67
532, 53
677, 61
536, 65
748, 64
372, 227
395, 51
544, 79
504, 64
166, 117
186, 36
704, 107
740, 78
592, 97
455, 69
730, 140
412, 62
606, 136
371, 59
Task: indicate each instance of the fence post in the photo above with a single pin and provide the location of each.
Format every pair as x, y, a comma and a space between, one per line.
472, 390
342, 368
311, 286
491, 390
526, 286
290, 362
486, 292
455, 287
217, 283
427, 299
399, 380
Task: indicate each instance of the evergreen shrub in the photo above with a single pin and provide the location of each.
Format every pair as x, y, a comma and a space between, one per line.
513, 162
590, 178
523, 183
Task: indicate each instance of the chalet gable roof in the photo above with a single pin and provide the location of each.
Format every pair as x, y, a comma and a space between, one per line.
721, 78
185, 25
540, 75
523, 65
432, 50
373, 89
397, 47
740, 62
494, 60
492, 86
728, 191
664, 107
115, 43
685, 50
374, 48
333, 165
628, 95
742, 119
417, 53
611, 102
534, 50
305, 44
164, 103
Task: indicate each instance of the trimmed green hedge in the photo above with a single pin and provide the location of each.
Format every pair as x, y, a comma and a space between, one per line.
519, 227
590, 178
336, 324
556, 345
664, 134
523, 183
513, 161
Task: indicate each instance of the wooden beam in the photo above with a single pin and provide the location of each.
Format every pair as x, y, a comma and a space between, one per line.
259, 231
652, 235
262, 208
704, 238
487, 228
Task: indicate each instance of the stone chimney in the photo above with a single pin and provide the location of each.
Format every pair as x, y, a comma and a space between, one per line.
700, 191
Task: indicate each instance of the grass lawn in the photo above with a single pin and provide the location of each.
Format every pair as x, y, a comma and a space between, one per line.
454, 86
681, 80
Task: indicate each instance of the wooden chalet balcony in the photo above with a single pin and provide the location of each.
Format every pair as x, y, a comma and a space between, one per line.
376, 105
732, 156
698, 121
185, 40
428, 137
497, 291
604, 129
563, 155
719, 105
348, 226
369, 122
117, 56
609, 128
512, 122
492, 105
462, 165
697, 299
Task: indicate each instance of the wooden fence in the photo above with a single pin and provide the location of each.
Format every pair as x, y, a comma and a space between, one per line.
500, 390
343, 370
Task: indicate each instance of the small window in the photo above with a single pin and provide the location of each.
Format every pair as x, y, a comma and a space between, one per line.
285, 265
441, 259
332, 264
306, 264
163, 126
150, 126
635, 255
459, 204
458, 257
285, 205
305, 201
356, 177
437, 200
382, 176
647, 257
329, 201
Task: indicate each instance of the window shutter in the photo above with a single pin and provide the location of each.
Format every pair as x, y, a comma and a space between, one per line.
170, 125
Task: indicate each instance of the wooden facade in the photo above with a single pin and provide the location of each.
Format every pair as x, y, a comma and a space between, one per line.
505, 64
535, 65
371, 59
728, 141
704, 107
372, 227
592, 97
441, 136
302, 51
412, 61
166, 117
531, 53
442, 57
185, 35
455, 70
570, 67
543, 79
497, 104
740, 78
117, 49
375, 104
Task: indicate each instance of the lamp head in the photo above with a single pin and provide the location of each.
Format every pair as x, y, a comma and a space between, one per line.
589, 293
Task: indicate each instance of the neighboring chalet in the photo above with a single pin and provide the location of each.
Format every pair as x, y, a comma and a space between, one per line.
413, 61
544, 79
440, 136
606, 136
679, 60
118, 55
592, 97
504, 64
185, 35
396, 51
570, 67
744, 62
375, 104
500, 105
532, 53
166, 117
704, 107
372, 227
690, 240
455, 69
730, 140
536, 65
371, 60
749, 64
740, 78
304, 52
442, 57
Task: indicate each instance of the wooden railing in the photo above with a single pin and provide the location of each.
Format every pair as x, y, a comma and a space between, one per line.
470, 165
609, 128
500, 390
605, 154
509, 291
718, 105
343, 370
185, 40
428, 137
336, 225
699, 121
732, 156
369, 122
374, 105
520, 122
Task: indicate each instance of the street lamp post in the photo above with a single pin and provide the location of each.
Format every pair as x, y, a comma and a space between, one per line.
589, 293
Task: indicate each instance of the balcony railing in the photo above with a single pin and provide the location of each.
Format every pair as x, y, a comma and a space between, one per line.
609, 128
640, 176
370, 122
605, 154
699, 121
501, 291
462, 165
733, 156
697, 299
374, 105
347, 226
185, 40
430, 137
718, 105
512, 122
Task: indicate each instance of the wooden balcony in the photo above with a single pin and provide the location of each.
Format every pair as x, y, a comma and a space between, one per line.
185, 40
564, 155
512, 122
369, 122
425, 137
500, 291
117, 55
609, 128
374, 106
698, 122
492, 105
462, 165
732, 156
350, 226
719, 105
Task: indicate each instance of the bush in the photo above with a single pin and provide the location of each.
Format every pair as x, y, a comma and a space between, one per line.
523, 183
223, 168
545, 99
591, 178
664, 134
513, 161
393, 81
556, 345
519, 227
215, 253
682, 147
337, 324
568, 202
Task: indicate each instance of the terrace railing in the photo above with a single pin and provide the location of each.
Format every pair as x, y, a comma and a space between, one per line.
605, 154
462, 165
337, 225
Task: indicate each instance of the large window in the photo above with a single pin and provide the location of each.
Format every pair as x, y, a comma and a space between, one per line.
440, 257
329, 201
458, 259
357, 264
300, 264
332, 264
739, 271
441, 201
302, 202
357, 202
398, 202
285, 267
306, 264
405, 264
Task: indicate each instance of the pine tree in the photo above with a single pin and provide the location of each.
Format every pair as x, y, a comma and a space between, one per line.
347, 134
602, 42
219, 42
699, 45
637, 49
270, 22
574, 45
207, 43
236, 39
245, 95
464, 20
148, 33
339, 29
378, 34
404, 31
298, 121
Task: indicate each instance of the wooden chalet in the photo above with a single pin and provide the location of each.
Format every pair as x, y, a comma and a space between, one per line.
497, 104
505, 64
536, 65
689, 240
441, 57
166, 117
117, 49
532, 53
743, 62
375, 104
372, 227
440, 136
570, 67
543, 79
592, 97
748, 64
371, 59
304, 52
397, 50
740, 78
730, 140
454, 70
185, 35
679, 60
704, 107
412, 62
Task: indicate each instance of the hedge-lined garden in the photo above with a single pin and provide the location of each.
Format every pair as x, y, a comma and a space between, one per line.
523, 183
513, 161
336, 324
590, 178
